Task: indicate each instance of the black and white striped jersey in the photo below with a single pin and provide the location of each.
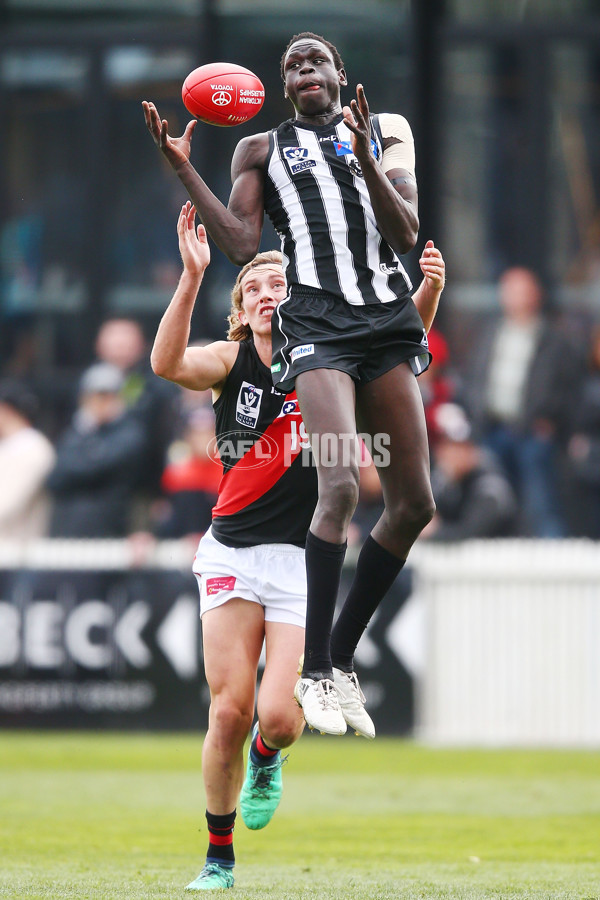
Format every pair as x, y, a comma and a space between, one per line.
319, 204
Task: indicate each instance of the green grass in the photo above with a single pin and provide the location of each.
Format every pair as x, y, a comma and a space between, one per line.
115, 816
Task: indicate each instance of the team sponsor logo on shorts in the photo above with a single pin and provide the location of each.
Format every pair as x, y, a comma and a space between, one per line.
298, 159
248, 405
221, 583
303, 350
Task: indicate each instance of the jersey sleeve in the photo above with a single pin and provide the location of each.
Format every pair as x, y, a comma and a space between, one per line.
400, 154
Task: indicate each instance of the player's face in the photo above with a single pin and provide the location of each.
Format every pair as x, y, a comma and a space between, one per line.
312, 81
262, 289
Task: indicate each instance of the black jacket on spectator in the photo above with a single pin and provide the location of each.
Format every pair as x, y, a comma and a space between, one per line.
94, 478
480, 505
551, 384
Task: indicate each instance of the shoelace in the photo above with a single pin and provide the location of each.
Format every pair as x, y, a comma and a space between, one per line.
328, 696
262, 777
356, 687
214, 869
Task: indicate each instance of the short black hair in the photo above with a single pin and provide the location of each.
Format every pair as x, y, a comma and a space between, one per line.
310, 36
19, 397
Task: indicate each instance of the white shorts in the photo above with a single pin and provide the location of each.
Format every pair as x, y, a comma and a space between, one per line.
273, 575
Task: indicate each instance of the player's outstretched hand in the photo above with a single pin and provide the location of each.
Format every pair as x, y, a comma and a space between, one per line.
356, 117
176, 150
193, 243
433, 267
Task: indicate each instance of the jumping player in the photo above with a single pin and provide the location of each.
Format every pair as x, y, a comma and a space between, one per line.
339, 186
250, 565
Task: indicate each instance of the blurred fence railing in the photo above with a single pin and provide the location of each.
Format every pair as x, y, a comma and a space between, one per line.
511, 643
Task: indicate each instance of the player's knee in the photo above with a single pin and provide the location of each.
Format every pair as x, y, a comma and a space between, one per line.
280, 730
412, 515
229, 719
338, 492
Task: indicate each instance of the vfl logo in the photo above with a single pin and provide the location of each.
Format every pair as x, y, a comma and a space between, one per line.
248, 405
298, 159
221, 98
293, 153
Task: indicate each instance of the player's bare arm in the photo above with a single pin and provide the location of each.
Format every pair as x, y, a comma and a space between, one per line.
427, 296
393, 194
235, 228
198, 368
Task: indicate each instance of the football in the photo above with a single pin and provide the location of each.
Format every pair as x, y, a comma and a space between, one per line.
223, 94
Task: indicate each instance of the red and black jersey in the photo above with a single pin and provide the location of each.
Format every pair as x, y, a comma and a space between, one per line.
268, 491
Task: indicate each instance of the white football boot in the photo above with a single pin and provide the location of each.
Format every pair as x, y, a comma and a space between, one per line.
352, 703
320, 705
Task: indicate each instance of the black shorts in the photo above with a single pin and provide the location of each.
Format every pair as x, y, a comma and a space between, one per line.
312, 329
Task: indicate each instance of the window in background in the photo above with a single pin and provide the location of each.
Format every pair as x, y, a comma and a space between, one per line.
574, 182
485, 169
518, 10
143, 263
42, 222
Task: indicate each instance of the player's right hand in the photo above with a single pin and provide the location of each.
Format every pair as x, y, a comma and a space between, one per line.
176, 150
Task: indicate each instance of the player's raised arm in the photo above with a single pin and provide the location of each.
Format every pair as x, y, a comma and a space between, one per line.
427, 296
198, 368
393, 194
236, 228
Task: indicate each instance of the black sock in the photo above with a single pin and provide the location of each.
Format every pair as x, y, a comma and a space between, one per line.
376, 571
220, 847
262, 754
324, 563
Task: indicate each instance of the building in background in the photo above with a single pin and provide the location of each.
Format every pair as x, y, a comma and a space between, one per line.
508, 150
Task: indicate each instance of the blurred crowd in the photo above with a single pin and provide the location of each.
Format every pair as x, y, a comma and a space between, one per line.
513, 425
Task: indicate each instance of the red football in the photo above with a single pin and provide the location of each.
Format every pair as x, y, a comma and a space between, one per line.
223, 94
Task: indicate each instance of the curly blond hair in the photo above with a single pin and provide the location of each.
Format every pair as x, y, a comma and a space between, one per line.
237, 331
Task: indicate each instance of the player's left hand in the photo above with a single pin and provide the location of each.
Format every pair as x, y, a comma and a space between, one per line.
433, 267
193, 243
356, 117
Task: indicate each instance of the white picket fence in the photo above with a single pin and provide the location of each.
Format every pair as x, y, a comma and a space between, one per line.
511, 643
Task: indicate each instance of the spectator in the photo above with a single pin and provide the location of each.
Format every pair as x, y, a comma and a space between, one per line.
97, 460
152, 400
190, 483
26, 458
473, 496
584, 451
519, 392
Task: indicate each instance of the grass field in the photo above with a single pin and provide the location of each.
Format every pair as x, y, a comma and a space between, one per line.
115, 816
